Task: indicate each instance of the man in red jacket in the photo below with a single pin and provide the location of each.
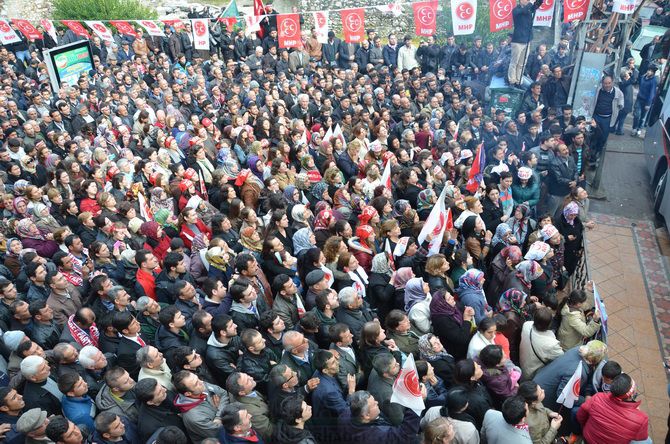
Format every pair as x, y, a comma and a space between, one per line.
615, 417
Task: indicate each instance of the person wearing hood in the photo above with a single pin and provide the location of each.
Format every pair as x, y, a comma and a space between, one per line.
118, 395
295, 412
200, 405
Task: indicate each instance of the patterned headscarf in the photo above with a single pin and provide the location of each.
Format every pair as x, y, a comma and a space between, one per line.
381, 264
424, 201
323, 220
472, 279
301, 241
288, 194
400, 207
402, 276
501, 231
512, 300
571, 209
426, 349
23, 229
513, 253
318, 189
529, 271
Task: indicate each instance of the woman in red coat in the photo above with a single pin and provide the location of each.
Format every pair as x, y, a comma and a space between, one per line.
191, 225
88, 202
363, 246
157, 242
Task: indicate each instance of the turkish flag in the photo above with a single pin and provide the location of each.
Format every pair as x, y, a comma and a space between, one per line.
476, 170
27, 29
501, 15
288, 30
77, 28
259, 11
124, 27
425, 14
353, 25
574, 10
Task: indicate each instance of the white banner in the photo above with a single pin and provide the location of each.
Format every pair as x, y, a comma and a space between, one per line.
100, 30
544, 15
321, 26
624, 6
200, 33
464, 16
7, 34
253, 24
49, 28
152, 28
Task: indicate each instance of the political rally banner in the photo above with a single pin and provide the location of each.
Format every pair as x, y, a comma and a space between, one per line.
575, 10
425, 14
124, 27
321, 26
463, 16
353, 24
100, 30
252, 24
624, 6
49, 28
200, 29
500, 15
288, 30
77, 28
152, 28
7, 34
27, 29
544, 15
177, 24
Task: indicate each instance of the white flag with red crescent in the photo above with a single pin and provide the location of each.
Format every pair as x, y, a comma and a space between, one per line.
571, 390
406, 388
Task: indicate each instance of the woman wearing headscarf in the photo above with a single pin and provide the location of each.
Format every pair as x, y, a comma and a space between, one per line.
570, 226
452, 323
522, 278
319, 192
302, 217
323, 222
219, 260
544, 287
156, 242
12, 259
502, 238
31, 237
432, 350
471, 294
501, 266
43, 218
477, 240
251, 242
343, 203
512, 305
363, 246
167, 221
521, 224
425, 203
160, 200
406, 216
303, 240
20, 207
417, 304
399, 281
381, 291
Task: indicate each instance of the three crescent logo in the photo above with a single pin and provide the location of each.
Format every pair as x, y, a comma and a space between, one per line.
100, 28
4, 27
199, 28
546, 5
575, 4
289, 27
321, 20
411, 383
152, 25
502, 9
354, 22
465, 11
426, 15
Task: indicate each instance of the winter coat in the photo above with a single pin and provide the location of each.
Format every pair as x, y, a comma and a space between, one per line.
198, 414
380, 431
497, 431
419, 315
287, 310
539, 352
287, 434
124, 406
479, 401
562, 171
380, 294
499, 383
574, 327
554, 376
222, 359
539, 424
78, 410
260, 414
257, 366
454, 337
154, 417
530, 193
355, 319
605, 418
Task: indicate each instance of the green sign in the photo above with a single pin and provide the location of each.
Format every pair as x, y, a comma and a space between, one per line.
70, 65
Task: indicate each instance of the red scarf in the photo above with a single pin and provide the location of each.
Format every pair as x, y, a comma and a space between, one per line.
80, 335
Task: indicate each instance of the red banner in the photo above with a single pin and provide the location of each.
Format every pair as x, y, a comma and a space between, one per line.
175, 23
575, 10
501, 15
77, 28
425, 14
124, 27
288, 30
27, 29
353, 25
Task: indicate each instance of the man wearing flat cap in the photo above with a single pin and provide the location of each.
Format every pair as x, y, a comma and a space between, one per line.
33, 424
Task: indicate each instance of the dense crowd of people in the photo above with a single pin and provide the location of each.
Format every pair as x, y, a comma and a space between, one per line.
200, 248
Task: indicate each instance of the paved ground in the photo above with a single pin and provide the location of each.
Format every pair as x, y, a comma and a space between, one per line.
627, 262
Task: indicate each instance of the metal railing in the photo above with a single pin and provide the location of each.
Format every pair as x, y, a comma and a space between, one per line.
581, 275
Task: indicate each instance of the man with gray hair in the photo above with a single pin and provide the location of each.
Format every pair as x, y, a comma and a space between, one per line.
147, 315
40, 390
120, 298
94, 363
380, 385
152, 365
353, 311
